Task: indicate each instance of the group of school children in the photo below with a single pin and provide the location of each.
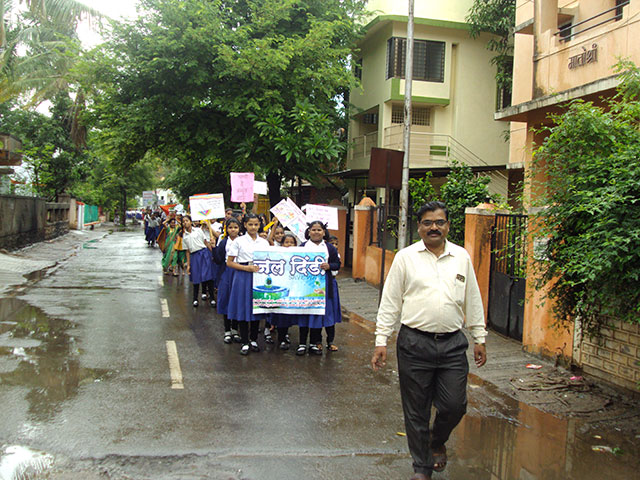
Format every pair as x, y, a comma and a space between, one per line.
220, 257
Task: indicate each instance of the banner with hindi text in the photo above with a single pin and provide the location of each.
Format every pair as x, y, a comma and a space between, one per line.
290, 281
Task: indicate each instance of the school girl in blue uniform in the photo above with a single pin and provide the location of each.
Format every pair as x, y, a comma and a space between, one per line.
241, 297
198, 258
317, 237
225, 276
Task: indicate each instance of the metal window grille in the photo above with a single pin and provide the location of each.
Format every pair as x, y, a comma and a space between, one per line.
419, 115
357, 69
428, 59
370, 119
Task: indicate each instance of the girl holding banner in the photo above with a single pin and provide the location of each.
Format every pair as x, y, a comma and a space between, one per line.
199, 265
317, 235
241, 297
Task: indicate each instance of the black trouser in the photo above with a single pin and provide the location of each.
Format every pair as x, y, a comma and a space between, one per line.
432, 369
316, 335
206, 286
254, 326
282, 333
331, 333
303, 335
230, 324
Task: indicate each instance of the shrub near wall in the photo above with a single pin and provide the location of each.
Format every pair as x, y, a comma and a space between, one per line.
590, 163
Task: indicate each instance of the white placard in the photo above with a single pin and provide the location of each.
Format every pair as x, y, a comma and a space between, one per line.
328, 215
260, 188
206, 207
290, 216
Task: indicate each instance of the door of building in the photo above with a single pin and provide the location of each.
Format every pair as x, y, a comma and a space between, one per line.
507, 283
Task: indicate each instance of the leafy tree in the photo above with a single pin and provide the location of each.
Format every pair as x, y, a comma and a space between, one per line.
38, 46
49, 151
245, 85
585, 175
462, 189
498, 18
114, 186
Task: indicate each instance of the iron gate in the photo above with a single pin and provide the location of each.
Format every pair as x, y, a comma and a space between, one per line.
507, 283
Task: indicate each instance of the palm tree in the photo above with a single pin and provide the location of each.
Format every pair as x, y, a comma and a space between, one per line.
38, 46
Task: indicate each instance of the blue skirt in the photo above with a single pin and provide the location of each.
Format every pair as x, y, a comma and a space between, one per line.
332, 315
240, 305
224, 289
151, 234
215, 268
201, 266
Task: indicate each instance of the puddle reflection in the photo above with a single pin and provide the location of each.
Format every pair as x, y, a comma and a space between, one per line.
516, 441
47, 358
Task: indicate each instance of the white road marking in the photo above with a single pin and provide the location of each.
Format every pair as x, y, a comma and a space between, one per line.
165, 308
174, 365
161, 281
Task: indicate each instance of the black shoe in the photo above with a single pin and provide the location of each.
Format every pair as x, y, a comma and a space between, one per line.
301, 350
254, 346
245, 349
284, 346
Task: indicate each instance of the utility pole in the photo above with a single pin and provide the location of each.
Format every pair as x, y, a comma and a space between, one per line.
408, 80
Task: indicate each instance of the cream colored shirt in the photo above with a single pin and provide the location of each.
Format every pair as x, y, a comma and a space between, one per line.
433, 294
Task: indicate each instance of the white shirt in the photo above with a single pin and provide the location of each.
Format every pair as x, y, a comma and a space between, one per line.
244, 247
430, 293
318, 247
227, 247
194, 241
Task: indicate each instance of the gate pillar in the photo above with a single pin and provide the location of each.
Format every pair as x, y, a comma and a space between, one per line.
479, 222
362, 231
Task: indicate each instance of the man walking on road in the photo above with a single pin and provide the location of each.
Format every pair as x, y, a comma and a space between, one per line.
431, 289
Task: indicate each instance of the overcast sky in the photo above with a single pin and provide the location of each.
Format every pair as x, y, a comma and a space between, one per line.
113, 8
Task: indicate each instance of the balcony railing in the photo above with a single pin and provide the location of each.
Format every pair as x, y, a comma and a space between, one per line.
566, 33
362, 146
431, 149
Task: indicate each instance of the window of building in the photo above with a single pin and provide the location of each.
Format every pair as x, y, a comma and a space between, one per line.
428, 59
370, 119
419, 115
619, 6
357, 69
565, 31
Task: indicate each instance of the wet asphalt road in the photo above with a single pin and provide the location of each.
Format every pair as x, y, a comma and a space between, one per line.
84, 378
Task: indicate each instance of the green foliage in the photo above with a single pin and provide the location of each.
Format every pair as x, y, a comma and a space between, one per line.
114, 186
251, 85
498, 18
462, 189
421, 191
49, 153
38, 47
590, 162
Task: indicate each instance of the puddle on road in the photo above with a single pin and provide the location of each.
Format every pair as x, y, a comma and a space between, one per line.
37, 352
22, 463
501, 438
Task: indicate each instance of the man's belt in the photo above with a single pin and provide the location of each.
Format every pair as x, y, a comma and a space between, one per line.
434, 335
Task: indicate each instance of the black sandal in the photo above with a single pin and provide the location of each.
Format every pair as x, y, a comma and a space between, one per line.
316, 349
439, 459
332, 347
301, 350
